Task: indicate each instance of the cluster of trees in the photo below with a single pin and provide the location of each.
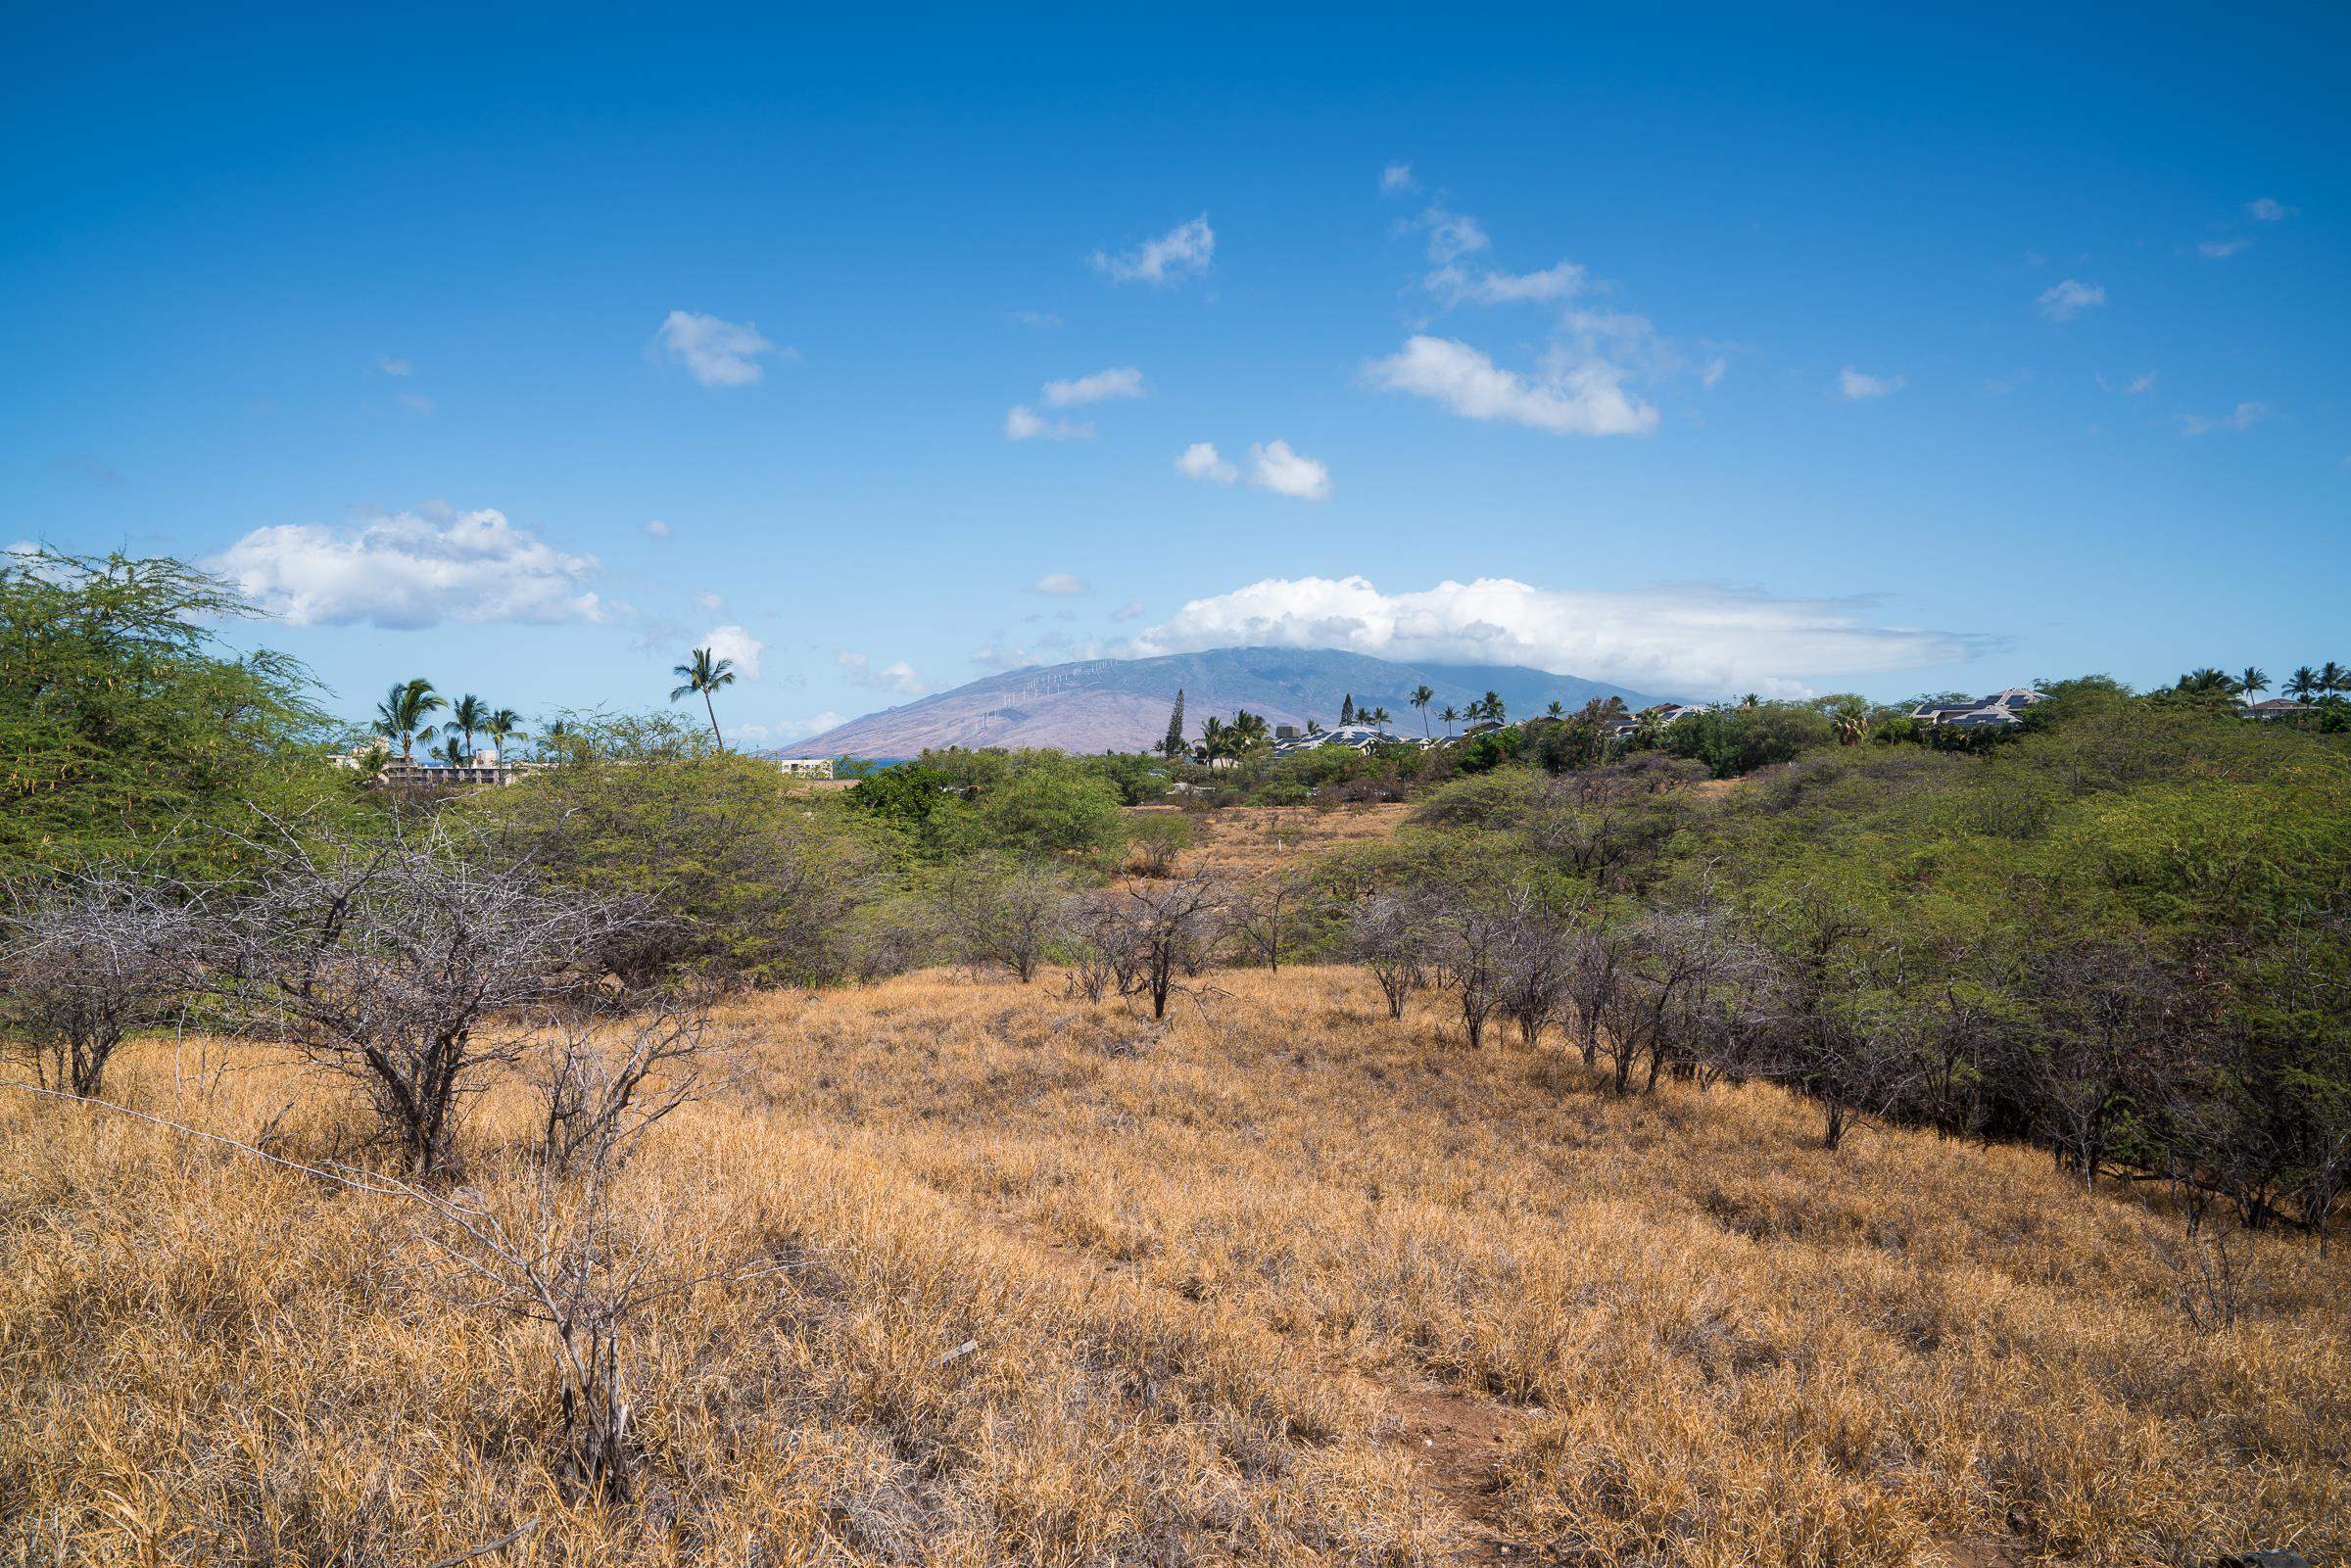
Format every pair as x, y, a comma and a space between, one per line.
2127, 936
2329, 681
407, 713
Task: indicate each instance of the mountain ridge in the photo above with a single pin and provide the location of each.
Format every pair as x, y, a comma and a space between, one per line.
1122, 705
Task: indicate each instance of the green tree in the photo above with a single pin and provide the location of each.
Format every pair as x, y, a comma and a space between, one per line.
1045, 810
1347, 709
705, 674
128, 732
2304, 684
1172, 745
500, 726
2252, 683
406, 712
1423, 695
1491, 703
752, 877
466, 715
2334, 679
1452, 716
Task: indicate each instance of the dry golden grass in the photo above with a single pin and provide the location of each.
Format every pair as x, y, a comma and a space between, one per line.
1253, 840
1283, 1282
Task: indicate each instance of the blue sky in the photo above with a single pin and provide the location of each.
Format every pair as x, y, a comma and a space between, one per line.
1700, 353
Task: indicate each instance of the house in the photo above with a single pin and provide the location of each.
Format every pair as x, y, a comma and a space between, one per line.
1353, 736
2277, 708
804, 767
2000, 708
1675, 712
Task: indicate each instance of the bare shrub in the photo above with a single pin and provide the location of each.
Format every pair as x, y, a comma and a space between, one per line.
1385, 935
1537, 963
603, 1075
87, 958
1268, 918
1469, 929
1148, 935
1002, 911
411, 965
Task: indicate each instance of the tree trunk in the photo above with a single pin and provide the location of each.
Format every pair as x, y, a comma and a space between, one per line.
713, 710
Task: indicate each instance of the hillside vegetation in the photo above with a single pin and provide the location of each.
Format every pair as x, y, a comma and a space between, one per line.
1766, 1138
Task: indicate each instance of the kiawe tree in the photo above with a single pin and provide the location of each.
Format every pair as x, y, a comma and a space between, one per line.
704, 674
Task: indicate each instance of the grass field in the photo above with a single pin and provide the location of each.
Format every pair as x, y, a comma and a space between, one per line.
1283, 1282
1253, 841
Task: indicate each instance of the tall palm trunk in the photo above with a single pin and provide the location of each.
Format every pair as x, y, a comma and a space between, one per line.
712, 709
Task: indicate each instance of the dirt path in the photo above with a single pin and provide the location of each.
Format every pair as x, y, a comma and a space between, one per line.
1455, 1443
1456, 1446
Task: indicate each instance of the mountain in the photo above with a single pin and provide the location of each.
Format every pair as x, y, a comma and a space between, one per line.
1122, 705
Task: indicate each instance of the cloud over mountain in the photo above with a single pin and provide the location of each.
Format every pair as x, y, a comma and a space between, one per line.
1698, 637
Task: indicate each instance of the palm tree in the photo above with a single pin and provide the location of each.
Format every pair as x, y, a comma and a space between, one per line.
1451, 715
500, 726
405, 711
1492, 703
2205, 681
1556, 710
1379, 722
705, 674
1423, 695
2334, 679
2303, 684
2252, 684
466, 715
1215, 741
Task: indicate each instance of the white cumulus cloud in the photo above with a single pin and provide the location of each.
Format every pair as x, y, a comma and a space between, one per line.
1455, 284
1058, 582
1124, 381
898, 677
735, 644
1586, 399
1695, 641
1274, 467
2062, 301
1024, 423
1182, 252
1855, 383
715, 352
413, 569
1453, 236
1200, 461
